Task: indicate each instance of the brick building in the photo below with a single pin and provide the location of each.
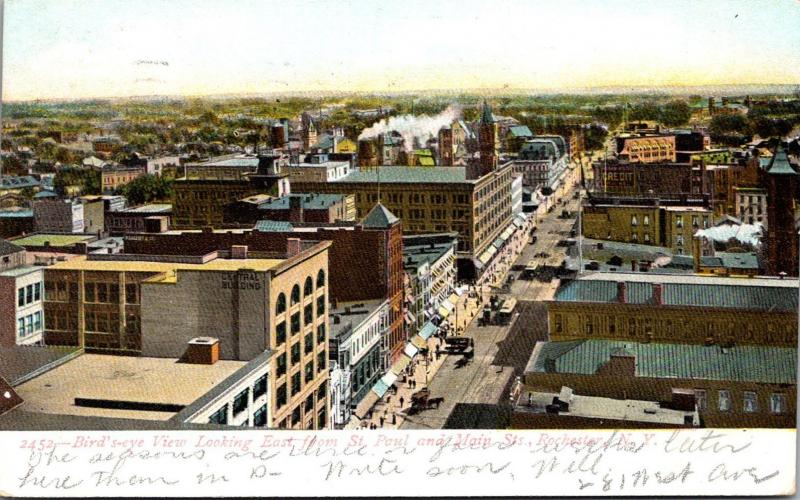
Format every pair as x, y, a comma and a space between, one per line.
676, 309
296, 207
781, 181
646, 148
366, 258
622, 178
113, 177
199, 198
745, 386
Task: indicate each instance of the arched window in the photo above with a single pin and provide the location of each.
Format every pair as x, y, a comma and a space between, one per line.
320, 278
281, 305
308, 288
295, 294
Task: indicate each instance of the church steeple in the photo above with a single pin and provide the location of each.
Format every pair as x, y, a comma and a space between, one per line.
486, 114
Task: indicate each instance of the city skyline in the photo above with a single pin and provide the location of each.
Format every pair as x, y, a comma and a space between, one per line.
70, 49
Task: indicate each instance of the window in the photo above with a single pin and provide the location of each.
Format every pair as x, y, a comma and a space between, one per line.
679, 240
724, 399
295, 353
646, 220
280, 365
777, 403
220, 416
634, 237
647, 237
695, 222
280, 333
308, 343
131, 293
37, 321
612, 325
240, 402
321, 392
295, 323
634, 221
280, 396
559, 325
308, 407
296, 416
21, 327
750, 402
308, 288
280, 305
260, 387
701, 398
320, 305
21, 297
322, 419
308, 314
295, 294
29, 294
321, 333
260, 417
309, 371
321, 361
320, 278
679, 221
296, 383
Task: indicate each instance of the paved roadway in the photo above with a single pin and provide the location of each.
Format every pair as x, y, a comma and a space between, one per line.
501, 352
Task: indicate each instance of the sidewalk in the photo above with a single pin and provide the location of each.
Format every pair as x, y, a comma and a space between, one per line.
388, 412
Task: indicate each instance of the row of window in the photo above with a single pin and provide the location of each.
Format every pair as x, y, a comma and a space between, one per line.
29, 324
29, 294
777, 401
281, 395
308, 289
294, 320
308, 408
240, 404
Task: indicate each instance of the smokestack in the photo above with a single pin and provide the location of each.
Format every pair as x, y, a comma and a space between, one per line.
622, 292
658, 294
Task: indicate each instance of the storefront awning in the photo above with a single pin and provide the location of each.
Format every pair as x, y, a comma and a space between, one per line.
409, 319
485, 256
444, 313
518, 222
410, 350
453, 298
389, 378
498, 243
380, 388
419, 342
400, 365
427, 330
448, 305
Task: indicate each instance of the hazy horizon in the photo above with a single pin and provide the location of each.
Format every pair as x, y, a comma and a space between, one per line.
106, 49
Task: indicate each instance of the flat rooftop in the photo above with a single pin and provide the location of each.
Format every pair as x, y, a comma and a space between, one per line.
351, 314
122, 379
630, 410
408, 175
307, 201
20, 362
150, 208
55, 240
769, 281
83, 264
20, 271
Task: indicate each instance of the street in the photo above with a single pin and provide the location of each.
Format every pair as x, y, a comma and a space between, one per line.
501, 352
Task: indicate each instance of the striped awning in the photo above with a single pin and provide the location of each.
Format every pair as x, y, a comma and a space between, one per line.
427, 330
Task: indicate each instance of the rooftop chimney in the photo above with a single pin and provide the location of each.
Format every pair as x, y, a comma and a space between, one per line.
202, 351
292, 247
238, 251
622, 292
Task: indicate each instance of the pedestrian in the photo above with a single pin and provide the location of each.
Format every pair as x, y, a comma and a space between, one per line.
402, 400
381, 421
394, 419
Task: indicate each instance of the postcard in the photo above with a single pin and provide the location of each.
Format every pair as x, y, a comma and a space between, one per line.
420, 249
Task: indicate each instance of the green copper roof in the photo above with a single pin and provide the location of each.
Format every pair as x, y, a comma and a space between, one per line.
764, 364
780, 163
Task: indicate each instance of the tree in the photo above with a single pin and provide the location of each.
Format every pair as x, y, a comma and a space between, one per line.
86, 180
675, 113
145, 189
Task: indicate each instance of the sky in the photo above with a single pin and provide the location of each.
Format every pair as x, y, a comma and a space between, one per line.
54, 49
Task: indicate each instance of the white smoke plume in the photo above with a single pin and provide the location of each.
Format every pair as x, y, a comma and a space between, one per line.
409, 126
